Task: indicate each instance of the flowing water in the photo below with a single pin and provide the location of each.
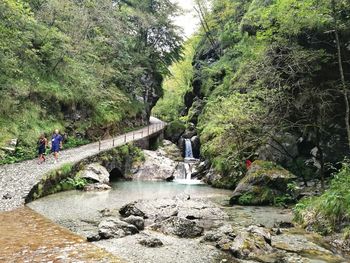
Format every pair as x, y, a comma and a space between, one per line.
188, 149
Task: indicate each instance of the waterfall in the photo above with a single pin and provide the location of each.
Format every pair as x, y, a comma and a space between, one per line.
188, 171
188, 149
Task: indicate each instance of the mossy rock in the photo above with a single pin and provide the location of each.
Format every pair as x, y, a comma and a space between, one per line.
265, 183
174, 130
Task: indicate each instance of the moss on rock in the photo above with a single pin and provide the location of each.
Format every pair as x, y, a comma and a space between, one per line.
266, 183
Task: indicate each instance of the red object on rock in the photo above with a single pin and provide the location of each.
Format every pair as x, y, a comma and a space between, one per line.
248, 163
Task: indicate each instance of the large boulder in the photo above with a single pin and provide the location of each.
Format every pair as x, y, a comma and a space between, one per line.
131, 209
244, 243
182, 206
170, 150
115, 228
251, 243
95, 172
155, 168
137, 221
178, 226
149, 241
174, 130
265, 184
196, 146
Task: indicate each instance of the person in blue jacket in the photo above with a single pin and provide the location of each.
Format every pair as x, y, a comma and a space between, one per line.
56, 144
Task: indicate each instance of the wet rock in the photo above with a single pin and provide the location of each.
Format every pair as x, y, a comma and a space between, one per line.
261, 232
196, 145
93, 237
115, 228
95, 172
178, 226
148, 241
264, 182
297, 244
182, 206
96, 187
131, 209
155, 168
250, 243
211, 176
137, 221
225, 232
190, 131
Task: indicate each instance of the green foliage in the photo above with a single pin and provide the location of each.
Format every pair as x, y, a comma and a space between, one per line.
72, 183
73, 142
177, 84
174, 128
330, 211
246, 199
264, 68
93, 59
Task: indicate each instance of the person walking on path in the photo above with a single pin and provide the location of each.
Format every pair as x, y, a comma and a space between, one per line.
56, 144
42, 144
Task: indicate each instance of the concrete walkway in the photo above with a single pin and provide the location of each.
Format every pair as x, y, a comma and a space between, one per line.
16, 180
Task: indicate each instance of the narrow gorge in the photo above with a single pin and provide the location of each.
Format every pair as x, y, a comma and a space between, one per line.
199, 131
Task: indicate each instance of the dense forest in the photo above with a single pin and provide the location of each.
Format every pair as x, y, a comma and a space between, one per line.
89, 68
269, 80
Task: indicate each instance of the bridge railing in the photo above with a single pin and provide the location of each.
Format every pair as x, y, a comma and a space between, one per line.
131, 136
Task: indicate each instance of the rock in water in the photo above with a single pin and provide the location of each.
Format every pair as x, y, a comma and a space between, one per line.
95, 172
137, 221
178, 226
148, 241
155, 168
115, 228
96, 187
251, 243
264, 182
131, 209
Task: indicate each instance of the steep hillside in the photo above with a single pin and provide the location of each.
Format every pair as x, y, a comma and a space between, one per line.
88, 68
267, 84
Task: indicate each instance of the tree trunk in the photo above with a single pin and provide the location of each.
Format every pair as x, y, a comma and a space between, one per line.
341, 71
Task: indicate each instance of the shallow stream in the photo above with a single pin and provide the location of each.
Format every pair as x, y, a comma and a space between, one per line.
81, 212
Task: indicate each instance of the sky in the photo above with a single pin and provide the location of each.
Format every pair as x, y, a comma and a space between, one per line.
188, 20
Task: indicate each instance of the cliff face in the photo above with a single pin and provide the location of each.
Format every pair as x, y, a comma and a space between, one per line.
265, 85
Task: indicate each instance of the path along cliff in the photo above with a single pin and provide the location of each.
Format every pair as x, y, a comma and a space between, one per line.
16, 180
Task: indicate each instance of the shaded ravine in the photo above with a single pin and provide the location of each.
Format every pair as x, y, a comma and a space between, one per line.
17, 180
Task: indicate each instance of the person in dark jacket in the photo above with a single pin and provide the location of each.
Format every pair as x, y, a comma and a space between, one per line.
42, 144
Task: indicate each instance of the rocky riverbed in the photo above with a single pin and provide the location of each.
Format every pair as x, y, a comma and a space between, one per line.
170, 222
